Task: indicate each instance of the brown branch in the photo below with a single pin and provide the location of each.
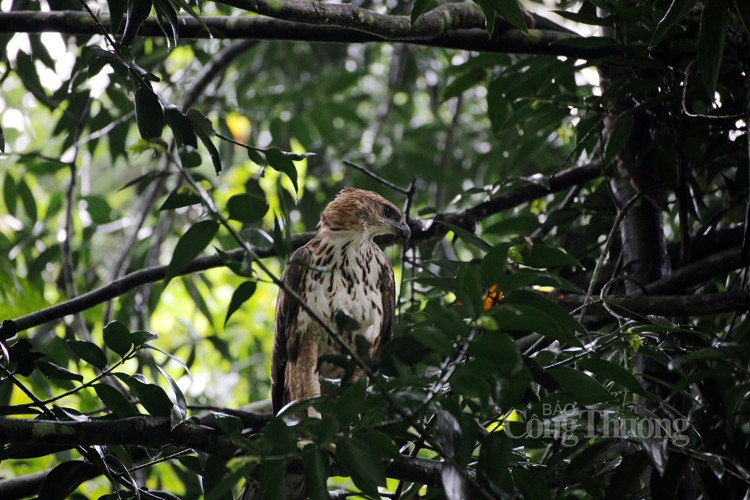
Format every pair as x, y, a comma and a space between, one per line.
699, 271
156, 431
471, 35
664, 305
146, 431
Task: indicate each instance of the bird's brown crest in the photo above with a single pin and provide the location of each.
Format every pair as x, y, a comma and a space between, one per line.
354, 209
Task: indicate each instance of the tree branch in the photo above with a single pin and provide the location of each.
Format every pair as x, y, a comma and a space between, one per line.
664, 305
466, 31
145, 431
155, 431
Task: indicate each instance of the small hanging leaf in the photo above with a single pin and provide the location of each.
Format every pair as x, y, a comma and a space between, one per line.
137, 11
27, 200
711, 40
182, 128
117, 337
148, 113
239, 297
51, 370
115, 400
418, 8
89, 352
282, 163
64, 479
365, 467
675, 11
317, 470
247, 208
585, 388
192, 243
180, 197
615, 373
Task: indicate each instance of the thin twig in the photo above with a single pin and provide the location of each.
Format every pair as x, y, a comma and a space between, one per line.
375, 176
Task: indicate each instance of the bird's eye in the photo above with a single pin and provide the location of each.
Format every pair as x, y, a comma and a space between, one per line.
389, 213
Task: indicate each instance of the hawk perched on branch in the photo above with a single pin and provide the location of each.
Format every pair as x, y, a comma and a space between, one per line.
340, 272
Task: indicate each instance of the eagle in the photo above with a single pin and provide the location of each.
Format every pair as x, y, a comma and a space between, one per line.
340, 273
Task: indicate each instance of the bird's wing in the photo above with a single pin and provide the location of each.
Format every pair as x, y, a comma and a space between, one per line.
287, 309
388, 293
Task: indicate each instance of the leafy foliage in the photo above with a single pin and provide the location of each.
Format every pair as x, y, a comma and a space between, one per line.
538, 349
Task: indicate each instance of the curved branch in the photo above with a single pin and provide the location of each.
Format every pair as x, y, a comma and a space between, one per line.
465, 33
665, 305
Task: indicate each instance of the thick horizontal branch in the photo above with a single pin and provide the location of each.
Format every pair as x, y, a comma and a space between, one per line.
698, 272
513, 198
464, 31
150, 431
145, 431
665, 305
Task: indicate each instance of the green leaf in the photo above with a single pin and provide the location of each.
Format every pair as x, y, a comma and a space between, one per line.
241, 294
168, 22
494, 457
619, 136
141, 337
518, 225
434, 339
51, 370
181, 127
317, 470
711, 40
559, 315
192, 243
180, 197
585, 388
418, 8
2, 140
63, 480
272, 477
28, 200
149, 114
204, 130
257, 157
676, 10
511, 12
89, 352
115, 400
137, 12
616, 373
150, 396
469, 289
178, 413
545, 257
247, 208
9, 193
525, 318
358, 459
27, 71
467, 236
280, 162
214, 470
494, 265
182, 4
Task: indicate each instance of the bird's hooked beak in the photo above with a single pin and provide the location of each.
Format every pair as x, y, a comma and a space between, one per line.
404, 231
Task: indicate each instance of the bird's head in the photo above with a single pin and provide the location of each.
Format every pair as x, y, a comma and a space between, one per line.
363, 211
